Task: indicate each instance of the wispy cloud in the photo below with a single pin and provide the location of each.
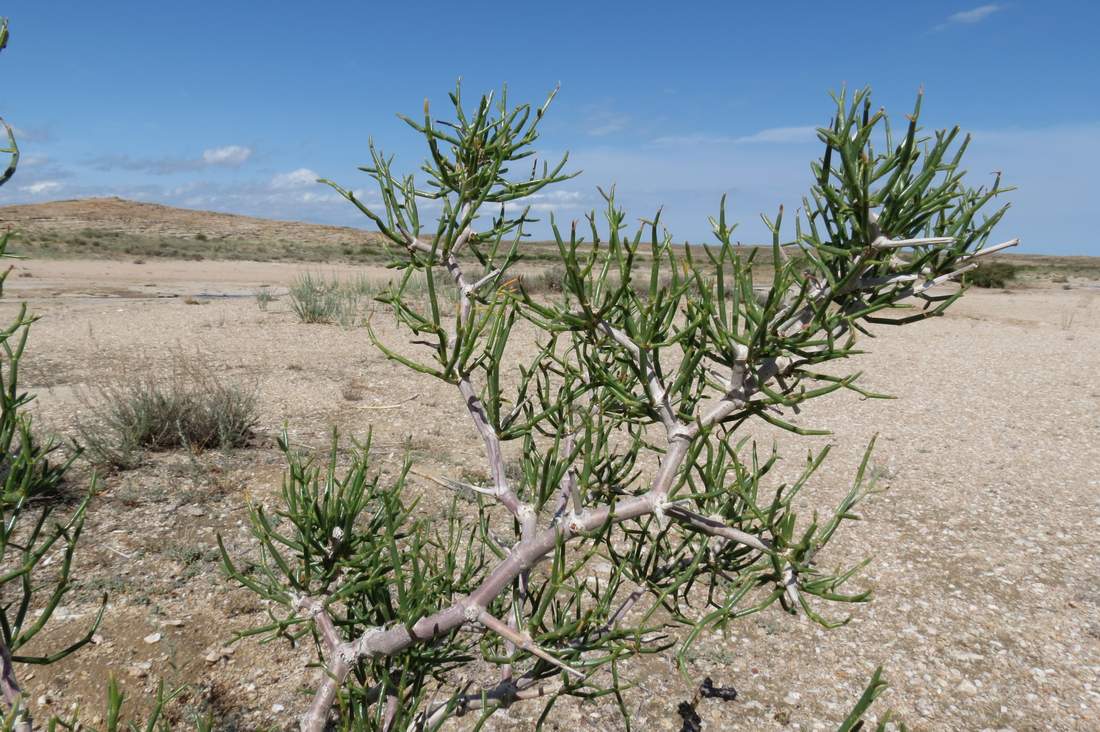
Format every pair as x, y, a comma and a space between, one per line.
603, 119
32, 134
693, 139
41, 187
229, 156
773, 135
782, 135
972, 16
550, 202
299, 178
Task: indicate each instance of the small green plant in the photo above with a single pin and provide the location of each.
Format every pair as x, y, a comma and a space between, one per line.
315, 300
264, 298
190, 408
993, 275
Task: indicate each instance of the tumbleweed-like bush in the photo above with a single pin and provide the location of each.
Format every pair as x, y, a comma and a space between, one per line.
189, 407
629, 419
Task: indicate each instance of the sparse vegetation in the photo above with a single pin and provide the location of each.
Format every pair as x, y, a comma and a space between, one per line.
190, 408
317, 300
264, 298
992, 275
548, 280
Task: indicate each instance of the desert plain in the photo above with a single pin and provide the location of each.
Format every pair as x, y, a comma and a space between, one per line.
985, 549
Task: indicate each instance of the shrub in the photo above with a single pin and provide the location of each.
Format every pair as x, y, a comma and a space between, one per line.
315, 300
336, 300
190, 408
628, 418
992, 275
550, 279
264, 298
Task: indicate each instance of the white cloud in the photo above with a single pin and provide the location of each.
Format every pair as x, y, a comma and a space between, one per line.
42, 186
972, 16
782, 135
295, 179
227, 155
773, 135
230, 156
314, 197
549, 201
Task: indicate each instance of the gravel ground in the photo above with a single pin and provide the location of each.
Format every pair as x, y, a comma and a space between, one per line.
986, 569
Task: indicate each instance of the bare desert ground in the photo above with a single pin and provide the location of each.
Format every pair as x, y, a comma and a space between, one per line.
986, 551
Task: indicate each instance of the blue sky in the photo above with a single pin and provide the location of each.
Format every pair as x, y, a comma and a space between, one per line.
237, 106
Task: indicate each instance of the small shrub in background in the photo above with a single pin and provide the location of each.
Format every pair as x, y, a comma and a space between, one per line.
551, 279
992, 275
191, 407
315, 300
264, 298
318, 300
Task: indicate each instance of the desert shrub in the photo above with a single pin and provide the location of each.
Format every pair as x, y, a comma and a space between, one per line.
992, 275
550, 279
313, 299
264, 298
191, 407
348, 301
318, 300
418, 287
629, 419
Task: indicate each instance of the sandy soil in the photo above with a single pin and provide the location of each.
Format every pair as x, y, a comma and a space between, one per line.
986, 550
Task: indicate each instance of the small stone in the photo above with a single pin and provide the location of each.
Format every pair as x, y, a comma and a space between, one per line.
277, 708
97, 639
174, 623
967, 688
152, 638
140, 670
792, 698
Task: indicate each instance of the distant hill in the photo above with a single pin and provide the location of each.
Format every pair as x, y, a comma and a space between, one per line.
115, 227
